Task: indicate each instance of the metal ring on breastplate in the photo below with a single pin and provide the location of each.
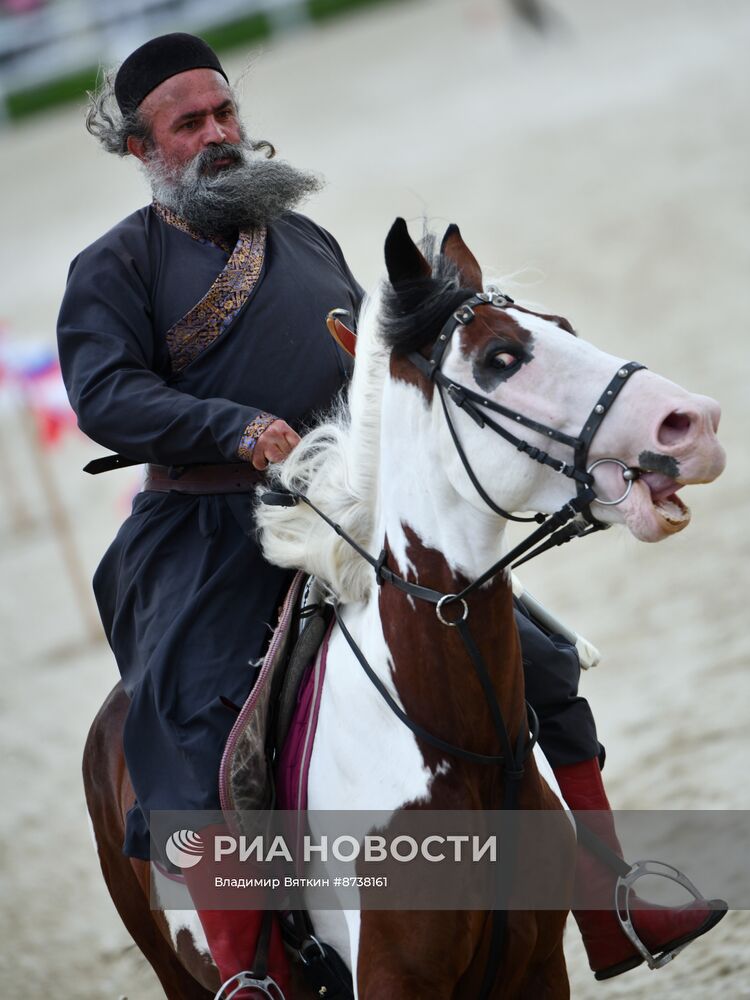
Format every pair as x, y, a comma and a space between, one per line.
630, 479
439, 610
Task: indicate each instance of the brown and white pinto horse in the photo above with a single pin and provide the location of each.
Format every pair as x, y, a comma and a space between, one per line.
387, 469
389, 472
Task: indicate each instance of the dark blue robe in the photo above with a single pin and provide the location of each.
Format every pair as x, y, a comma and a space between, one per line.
185, 597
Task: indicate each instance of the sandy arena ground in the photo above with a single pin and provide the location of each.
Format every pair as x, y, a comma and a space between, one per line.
608, 163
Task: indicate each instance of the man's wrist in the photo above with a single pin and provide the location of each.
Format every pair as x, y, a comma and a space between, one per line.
251, 433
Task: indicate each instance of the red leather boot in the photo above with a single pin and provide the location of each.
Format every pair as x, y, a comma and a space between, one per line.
240, 941
660, 928
232, 937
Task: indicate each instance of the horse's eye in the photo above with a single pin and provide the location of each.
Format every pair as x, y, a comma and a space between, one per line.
501, 360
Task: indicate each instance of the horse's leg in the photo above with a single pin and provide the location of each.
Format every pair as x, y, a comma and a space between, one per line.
108, 797
444, 956
548, 981
532, 963
416, 955
538, 971
518, 952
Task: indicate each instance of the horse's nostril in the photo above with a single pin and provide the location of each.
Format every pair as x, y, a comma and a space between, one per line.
674, 428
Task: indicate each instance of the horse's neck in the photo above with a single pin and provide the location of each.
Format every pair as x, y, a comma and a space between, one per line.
416, 490
432, 670
434, 538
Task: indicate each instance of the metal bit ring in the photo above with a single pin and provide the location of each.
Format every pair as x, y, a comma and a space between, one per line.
629, 474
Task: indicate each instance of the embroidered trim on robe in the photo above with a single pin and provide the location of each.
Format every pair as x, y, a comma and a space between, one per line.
172, 219
209, 318
251, 434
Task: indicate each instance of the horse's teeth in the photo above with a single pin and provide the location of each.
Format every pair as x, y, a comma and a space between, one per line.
672, 511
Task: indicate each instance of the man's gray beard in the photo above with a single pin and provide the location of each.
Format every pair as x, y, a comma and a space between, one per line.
251, 193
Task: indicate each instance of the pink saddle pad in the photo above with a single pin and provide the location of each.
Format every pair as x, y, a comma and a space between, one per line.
293, 766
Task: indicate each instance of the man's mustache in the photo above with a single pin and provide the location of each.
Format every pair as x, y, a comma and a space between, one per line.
205, 160
242, 192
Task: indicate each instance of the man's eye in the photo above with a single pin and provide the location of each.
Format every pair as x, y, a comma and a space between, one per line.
501, 359
189, 126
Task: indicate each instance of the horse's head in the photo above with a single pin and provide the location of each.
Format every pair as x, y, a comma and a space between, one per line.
542, 386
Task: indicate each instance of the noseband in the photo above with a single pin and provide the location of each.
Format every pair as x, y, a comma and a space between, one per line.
475, 405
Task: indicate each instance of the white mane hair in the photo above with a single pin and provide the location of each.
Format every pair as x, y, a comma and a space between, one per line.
336, 466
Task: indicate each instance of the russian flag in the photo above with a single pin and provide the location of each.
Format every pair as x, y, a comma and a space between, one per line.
32, 369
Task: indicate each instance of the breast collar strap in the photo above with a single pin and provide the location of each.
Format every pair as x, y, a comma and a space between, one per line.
476, 405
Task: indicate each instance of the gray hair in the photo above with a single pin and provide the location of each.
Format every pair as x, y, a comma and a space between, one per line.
107, 123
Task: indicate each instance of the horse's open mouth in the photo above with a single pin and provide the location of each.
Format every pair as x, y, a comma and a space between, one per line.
664, 498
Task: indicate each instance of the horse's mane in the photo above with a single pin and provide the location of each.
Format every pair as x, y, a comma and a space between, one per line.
337, 463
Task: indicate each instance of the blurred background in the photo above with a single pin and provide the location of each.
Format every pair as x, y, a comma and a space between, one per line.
599, 155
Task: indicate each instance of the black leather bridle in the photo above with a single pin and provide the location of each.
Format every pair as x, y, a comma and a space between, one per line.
476, 406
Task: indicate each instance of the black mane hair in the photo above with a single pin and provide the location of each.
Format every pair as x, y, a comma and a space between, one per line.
414, 311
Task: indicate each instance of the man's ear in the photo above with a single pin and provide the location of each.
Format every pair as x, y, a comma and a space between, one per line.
137, 148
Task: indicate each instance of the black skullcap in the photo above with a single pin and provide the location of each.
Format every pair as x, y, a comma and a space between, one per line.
158, 60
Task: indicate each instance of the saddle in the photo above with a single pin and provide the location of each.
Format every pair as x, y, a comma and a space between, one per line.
267, 754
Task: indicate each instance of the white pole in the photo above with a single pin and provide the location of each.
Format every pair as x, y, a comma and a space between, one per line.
62, 527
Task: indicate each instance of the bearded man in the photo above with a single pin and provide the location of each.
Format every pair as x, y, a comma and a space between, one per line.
192, 338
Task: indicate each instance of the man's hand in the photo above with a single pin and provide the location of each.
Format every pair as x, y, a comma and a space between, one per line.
274, 444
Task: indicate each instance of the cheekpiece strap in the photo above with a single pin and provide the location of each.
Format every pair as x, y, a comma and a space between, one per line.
462, 316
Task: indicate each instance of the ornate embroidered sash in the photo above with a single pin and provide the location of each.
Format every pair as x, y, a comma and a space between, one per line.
209, 318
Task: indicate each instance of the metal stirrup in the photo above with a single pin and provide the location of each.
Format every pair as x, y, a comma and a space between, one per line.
623, 889
267, 986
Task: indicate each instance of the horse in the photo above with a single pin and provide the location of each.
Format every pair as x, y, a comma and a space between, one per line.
465, 408
414, 471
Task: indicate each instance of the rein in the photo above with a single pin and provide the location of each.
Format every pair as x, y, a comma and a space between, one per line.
554, 529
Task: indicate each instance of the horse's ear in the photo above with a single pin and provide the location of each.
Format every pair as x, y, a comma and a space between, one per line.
454, 248
403, 257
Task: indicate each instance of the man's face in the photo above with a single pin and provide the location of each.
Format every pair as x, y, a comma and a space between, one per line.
201, 165
188, 113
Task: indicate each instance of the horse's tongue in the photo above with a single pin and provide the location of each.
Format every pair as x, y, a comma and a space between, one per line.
661, 486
